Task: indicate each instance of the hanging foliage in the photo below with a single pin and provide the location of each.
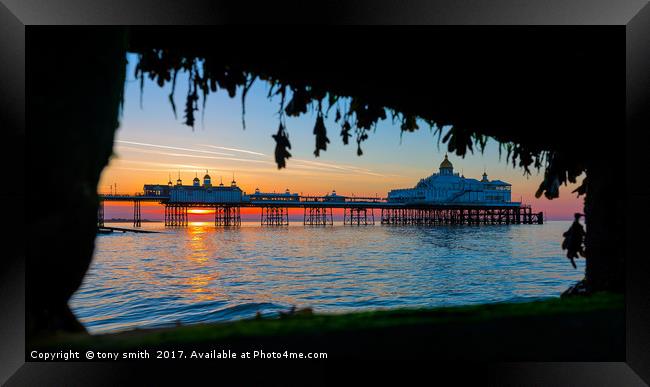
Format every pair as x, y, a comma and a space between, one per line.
282, 145
209, 74
345, 132
321, 135
298, 103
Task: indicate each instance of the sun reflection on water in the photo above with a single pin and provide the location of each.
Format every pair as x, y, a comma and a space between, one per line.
205, 273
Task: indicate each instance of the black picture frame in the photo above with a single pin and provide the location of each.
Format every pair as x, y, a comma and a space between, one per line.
17, 15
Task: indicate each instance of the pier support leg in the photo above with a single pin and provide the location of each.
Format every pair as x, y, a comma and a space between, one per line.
275, 216
137, 215
440, 216
358, 216
176, 215
317, 216
100, 214
227, 216
237, 216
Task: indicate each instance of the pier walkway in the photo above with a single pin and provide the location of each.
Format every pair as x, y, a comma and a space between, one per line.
318, 210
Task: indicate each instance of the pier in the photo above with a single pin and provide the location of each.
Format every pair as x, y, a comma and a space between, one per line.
318, 211
444, 198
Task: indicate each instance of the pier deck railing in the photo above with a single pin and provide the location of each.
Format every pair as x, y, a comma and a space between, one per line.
318, 211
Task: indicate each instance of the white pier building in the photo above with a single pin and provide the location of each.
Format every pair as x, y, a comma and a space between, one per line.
447, 187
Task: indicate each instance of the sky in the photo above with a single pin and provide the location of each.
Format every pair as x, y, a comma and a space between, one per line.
151, 144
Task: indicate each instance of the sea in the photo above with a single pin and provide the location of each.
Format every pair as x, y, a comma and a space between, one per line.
202, 273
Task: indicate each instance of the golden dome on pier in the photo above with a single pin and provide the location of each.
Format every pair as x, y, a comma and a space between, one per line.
446, 163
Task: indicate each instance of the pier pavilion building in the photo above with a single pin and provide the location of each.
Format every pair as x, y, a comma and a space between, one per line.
448, 187
197, 192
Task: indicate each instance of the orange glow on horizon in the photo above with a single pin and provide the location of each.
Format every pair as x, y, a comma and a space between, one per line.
149, 148
200, 211
349, 185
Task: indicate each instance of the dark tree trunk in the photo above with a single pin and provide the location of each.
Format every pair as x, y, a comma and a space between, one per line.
75, 86
605, 221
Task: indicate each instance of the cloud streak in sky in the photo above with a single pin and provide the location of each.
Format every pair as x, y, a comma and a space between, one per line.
308, 173
193, 156
172, 147
297, 163
233, 149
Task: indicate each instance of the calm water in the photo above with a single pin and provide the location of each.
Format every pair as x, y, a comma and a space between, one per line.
205, 274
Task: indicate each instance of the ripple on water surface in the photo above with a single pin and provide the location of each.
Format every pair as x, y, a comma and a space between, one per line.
204, 274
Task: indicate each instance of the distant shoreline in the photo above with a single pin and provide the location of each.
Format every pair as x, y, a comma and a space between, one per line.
253, 220
130, 221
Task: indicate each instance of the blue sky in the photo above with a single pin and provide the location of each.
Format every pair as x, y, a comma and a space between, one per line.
149, 137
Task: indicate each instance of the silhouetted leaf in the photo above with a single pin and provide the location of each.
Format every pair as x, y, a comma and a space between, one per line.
345, 132
282, 145
409, 124
298, 103
247, 86
171, 94
321, 135
331, 100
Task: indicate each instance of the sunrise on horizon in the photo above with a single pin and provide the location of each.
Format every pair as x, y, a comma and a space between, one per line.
152, 147
439, 193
